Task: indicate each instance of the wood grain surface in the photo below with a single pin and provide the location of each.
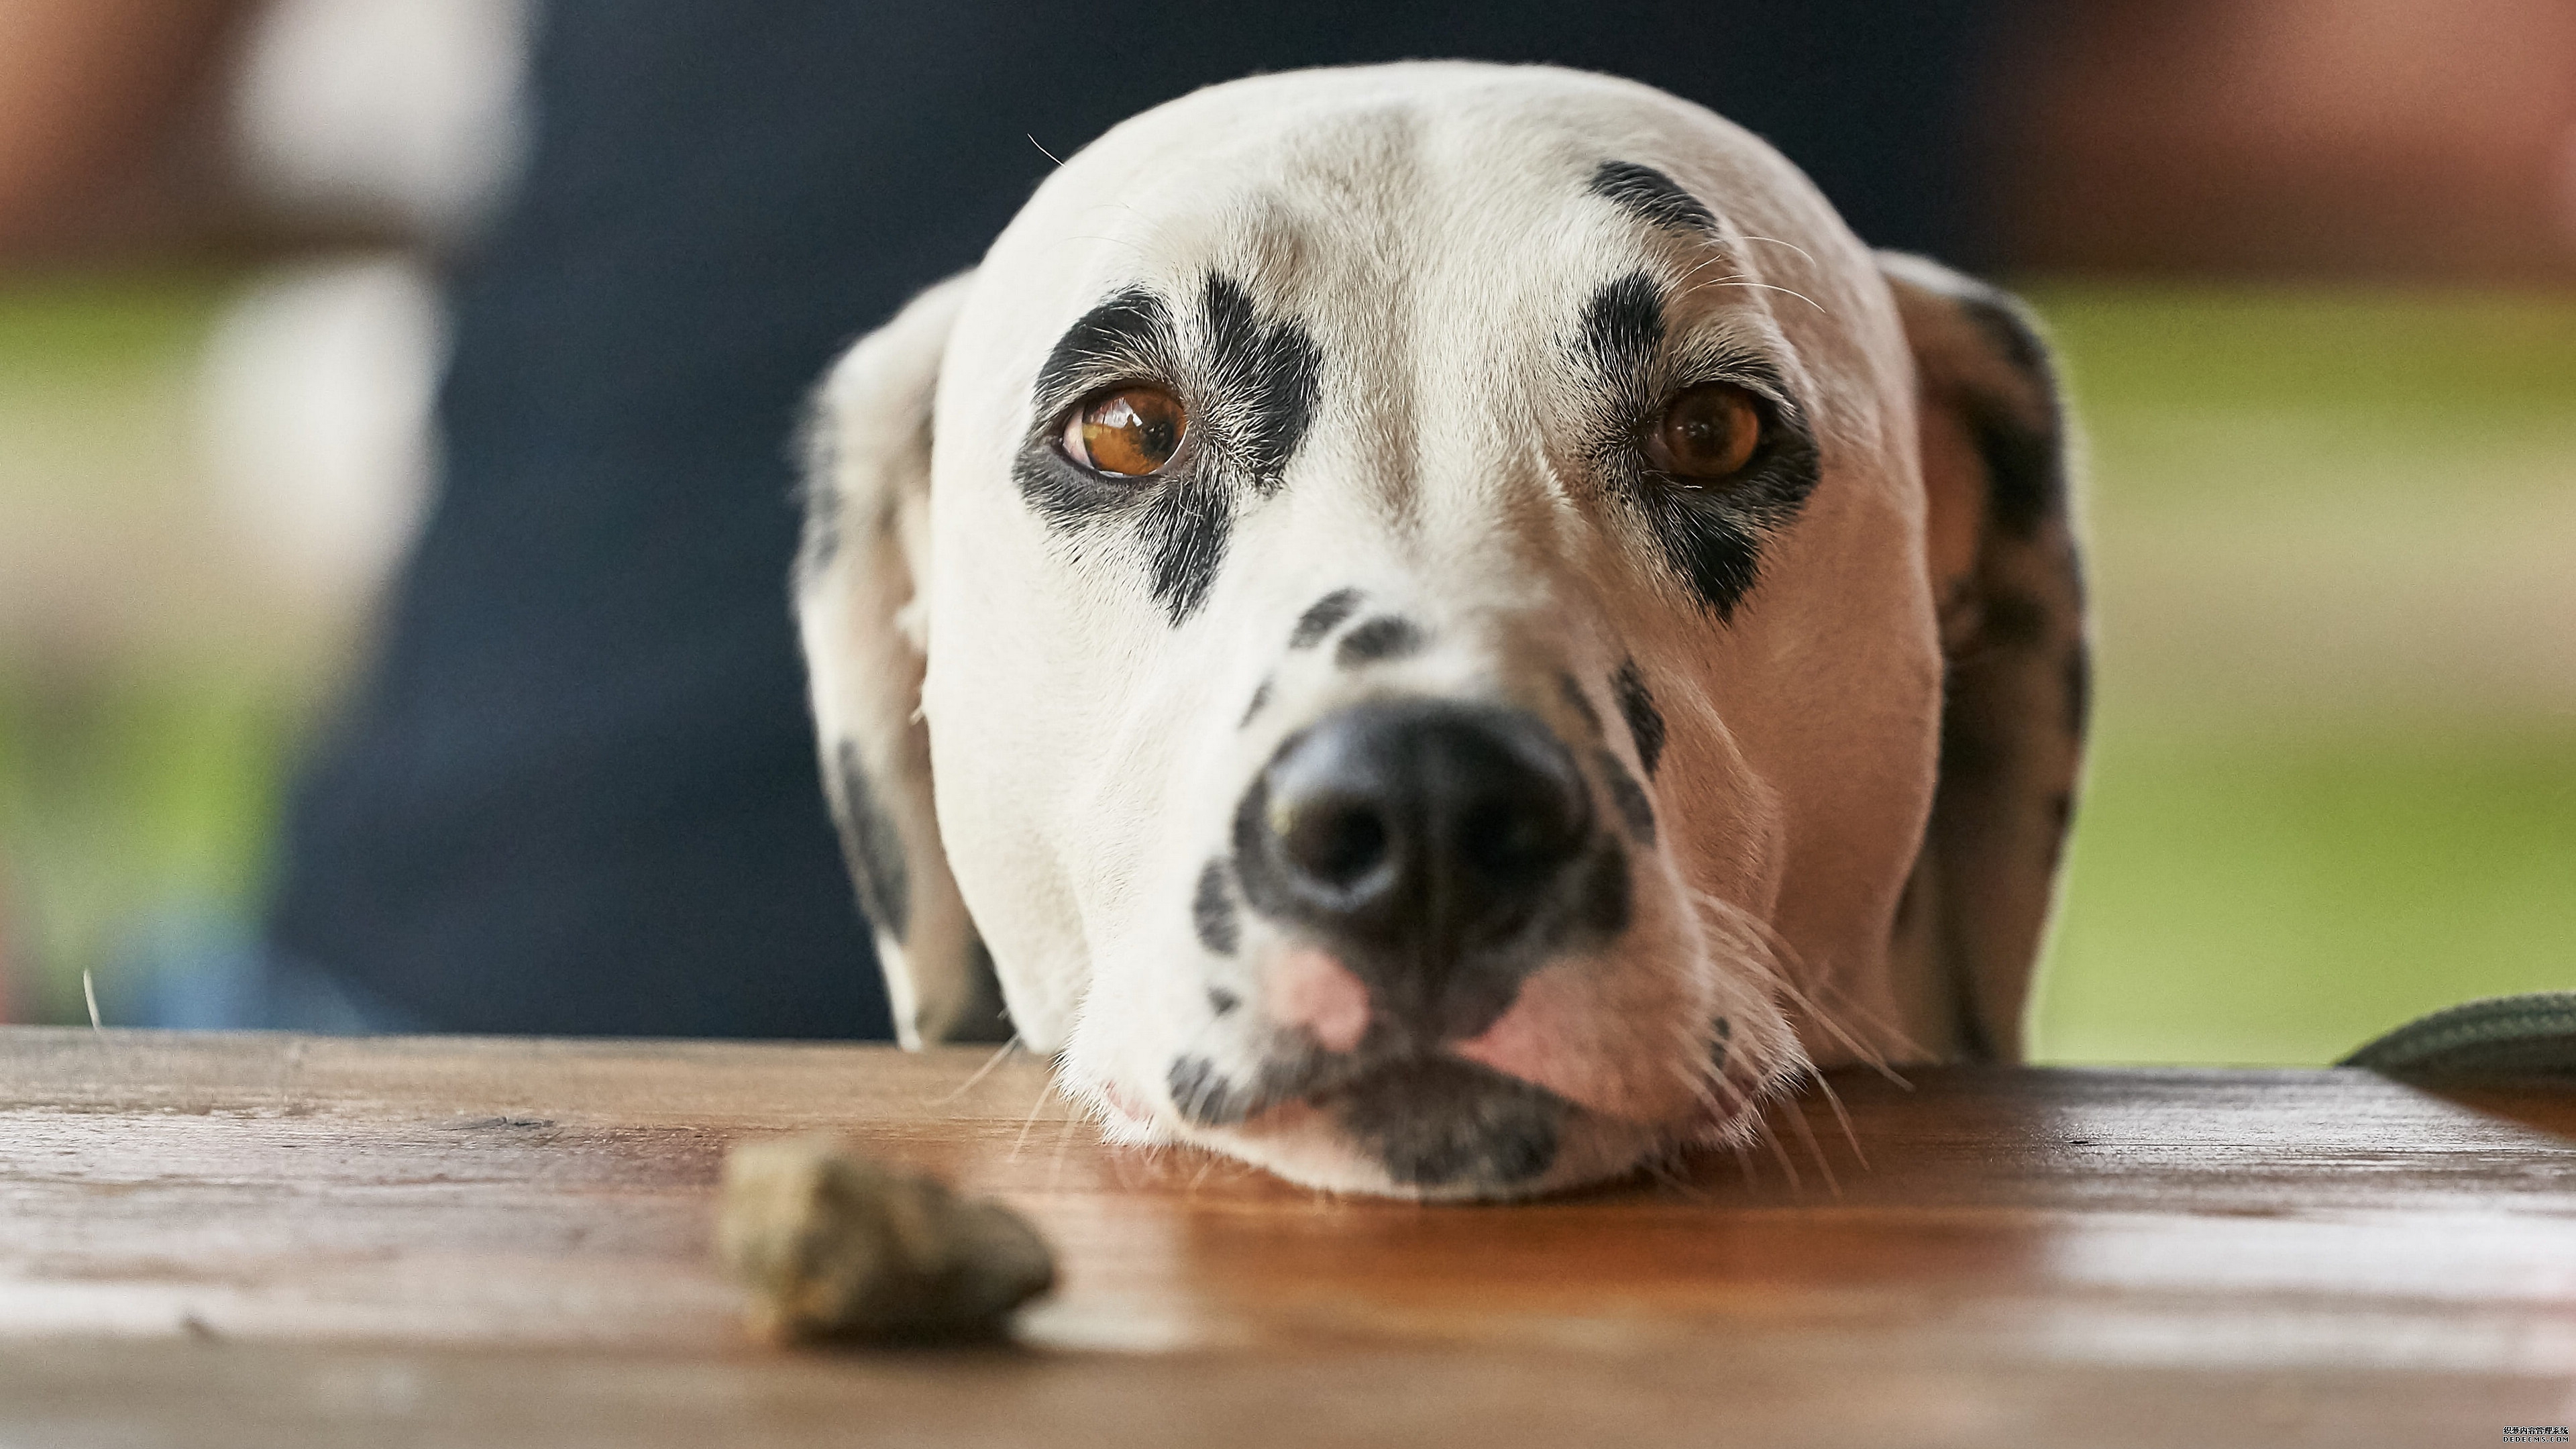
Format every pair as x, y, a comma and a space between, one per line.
277, 1240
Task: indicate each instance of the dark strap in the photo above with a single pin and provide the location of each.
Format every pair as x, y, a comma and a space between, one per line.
2497, 1036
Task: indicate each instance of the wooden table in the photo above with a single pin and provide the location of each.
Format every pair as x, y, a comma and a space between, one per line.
278, 1240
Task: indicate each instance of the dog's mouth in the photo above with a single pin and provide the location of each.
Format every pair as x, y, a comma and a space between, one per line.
1431, 1123
1440, 1125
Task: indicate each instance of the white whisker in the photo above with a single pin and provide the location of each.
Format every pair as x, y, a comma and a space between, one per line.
1796, 1107
981, 1073
1844, 1118
1775, 241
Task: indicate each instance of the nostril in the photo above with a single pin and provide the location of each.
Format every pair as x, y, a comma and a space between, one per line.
1407, 831
1338, 843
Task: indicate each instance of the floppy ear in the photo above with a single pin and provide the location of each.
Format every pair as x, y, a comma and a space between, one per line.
866, 547
2008, 584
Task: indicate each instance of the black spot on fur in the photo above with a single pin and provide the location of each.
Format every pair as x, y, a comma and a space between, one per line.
1222, 1001
1202, 1094
2014, 619
1251, 387
1439, 1123
1130, 332
1623, 327
1628, 798
985, 1018
2025, 466
1260, 697
2079, 689
1651, 197
1581, 703
1388, 636
818, 489
1212, 911
1184, 532
869, 844
1645, 721
1609, 896
1322, 617
1269, 371
821, 540
1724, 1036
1709, 534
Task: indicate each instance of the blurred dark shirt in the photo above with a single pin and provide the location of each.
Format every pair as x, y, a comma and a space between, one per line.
577, 793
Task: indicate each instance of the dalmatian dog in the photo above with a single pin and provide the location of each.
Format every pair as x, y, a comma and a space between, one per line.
1446, 630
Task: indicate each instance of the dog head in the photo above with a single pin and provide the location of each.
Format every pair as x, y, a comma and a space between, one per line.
1444, 629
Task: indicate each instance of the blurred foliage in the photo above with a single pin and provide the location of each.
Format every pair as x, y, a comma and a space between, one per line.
2334, 780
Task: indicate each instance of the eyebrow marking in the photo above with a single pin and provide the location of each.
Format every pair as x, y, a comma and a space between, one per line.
1651, 197
1270, 369
1622, 329
1130, 330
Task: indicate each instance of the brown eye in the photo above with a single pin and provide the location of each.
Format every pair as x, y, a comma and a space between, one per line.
1709, 432
1127, 432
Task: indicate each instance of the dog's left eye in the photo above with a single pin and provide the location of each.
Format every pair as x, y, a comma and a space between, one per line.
1709, 432
1126, 432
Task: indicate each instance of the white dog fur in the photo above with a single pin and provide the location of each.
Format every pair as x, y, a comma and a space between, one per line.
1037, 720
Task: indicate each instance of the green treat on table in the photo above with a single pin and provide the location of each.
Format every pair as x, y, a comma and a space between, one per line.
834, 1246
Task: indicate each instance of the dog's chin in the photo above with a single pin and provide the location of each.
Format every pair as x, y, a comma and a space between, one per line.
1442, 1130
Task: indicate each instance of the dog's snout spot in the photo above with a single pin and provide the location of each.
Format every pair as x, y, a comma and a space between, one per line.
1204, 1096
1252, 709
1322, 617
1222, 1001
1645, 721
1609, 895
1628, 798
1387, 637
1580, 703
1651, 197
1212, 911
1721, 1037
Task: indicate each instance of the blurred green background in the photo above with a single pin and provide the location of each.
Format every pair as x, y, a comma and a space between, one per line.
2334, 559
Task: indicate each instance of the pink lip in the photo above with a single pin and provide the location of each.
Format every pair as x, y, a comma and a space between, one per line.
1313, 989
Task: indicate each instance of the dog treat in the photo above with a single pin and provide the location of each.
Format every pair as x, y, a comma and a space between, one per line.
832, 1245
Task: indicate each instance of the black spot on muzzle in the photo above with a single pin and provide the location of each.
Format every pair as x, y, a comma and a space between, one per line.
1443, 1123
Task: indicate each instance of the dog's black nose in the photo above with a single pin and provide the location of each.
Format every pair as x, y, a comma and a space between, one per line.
1413, 833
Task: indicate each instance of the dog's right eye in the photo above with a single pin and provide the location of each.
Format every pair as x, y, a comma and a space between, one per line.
1707, 435
1126, 432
